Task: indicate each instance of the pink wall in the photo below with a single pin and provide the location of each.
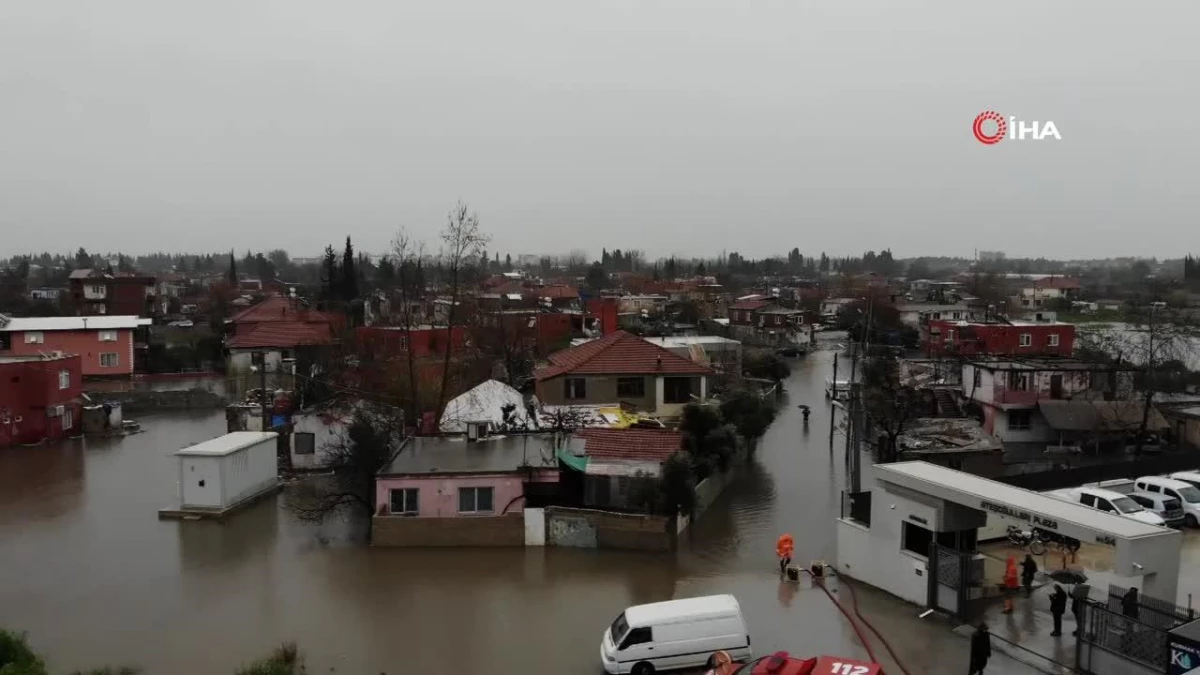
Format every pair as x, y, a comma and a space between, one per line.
85, 343
438, 496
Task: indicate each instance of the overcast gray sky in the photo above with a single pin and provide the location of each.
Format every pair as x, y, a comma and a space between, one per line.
673, 126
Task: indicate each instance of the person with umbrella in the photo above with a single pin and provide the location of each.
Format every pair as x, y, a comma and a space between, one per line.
1079, 594
1058, 606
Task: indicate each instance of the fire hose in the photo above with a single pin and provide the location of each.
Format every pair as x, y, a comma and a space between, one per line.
862, 638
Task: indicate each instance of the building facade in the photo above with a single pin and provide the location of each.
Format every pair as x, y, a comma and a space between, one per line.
93, 292
1017, 338
39, 398
105, 344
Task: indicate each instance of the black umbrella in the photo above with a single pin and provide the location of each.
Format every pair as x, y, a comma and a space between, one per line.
1068, 576
803, 407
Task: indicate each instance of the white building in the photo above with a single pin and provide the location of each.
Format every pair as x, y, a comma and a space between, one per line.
221, 473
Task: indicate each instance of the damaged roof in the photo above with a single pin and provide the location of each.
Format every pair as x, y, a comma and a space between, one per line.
941, 435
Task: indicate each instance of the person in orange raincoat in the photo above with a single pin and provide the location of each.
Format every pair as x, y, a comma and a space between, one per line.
784, 549
1011, 583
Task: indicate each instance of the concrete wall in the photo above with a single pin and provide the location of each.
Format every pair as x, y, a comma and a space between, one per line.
142, 401
600, 390
535, 527
1038, 431
584, 528
508, 530
875, 555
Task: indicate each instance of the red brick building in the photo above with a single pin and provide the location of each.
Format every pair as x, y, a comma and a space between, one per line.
106, 345
94, 292
39, 398
1016, 338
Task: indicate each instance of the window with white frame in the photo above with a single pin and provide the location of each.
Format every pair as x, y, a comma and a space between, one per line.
108, 336
476, 500
109, 360
404, 501
1026, 339
1052, 340
575, 388
68, 419
64, 379
35, 337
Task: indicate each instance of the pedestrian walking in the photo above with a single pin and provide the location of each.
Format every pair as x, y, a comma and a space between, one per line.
1079, 595
1131, 607
1058, 606
1010, 583
1028, 572
981, 649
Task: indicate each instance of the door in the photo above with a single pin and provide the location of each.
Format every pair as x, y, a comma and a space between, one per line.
1056, 386
200, 482
637, 646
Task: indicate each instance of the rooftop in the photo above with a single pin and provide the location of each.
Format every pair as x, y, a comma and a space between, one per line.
942, 435
281, 334
423, 455
1076, 415
1053, 363
712, 605
750, 304
227, 444
636, 445
53, 323
969, 489
279, 308
620, 353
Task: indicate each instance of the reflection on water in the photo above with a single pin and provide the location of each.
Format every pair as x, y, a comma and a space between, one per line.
88, 569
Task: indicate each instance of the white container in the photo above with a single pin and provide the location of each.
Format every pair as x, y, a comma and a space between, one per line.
219, 473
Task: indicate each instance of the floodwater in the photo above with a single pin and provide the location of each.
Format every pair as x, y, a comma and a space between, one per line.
95, 578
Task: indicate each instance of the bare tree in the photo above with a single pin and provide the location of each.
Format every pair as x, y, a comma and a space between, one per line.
888, 402
372, 436
408, 254
462, 244
576, 262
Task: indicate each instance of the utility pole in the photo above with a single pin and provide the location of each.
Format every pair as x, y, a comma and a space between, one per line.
262, 379
832, 402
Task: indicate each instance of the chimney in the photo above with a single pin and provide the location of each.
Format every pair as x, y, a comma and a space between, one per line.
658, 363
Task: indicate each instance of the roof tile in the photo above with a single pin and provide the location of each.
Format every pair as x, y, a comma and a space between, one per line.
643, 445
620, 353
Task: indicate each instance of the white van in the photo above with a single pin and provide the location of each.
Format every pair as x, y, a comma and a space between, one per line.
1175, 488
1111, 501
674, 634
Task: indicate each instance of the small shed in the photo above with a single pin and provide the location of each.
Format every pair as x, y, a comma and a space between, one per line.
220, 473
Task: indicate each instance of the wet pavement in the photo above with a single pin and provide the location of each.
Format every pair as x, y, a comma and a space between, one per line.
95, 578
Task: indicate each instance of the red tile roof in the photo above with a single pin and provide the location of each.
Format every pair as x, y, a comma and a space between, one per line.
558, 292
645, 445
281, 334
750, 304
278, 308
620, 353
1061, 283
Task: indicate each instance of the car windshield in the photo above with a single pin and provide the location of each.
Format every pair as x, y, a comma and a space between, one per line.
1190, 494
1126, 505
619, 628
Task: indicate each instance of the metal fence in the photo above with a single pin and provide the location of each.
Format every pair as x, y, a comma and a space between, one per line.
1123, 636
1151, 611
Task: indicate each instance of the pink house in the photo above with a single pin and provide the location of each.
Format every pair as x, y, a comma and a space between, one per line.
105, 344
451, 477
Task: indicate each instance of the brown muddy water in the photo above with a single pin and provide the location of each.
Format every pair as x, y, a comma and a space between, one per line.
95, 578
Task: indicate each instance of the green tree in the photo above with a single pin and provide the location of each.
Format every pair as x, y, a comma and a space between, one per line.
596, 277
83, 260
232, 277
16, 658
678, 485
750, 414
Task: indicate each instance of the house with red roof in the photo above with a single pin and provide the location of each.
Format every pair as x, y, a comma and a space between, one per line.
281, 329
608, 465
1041, 291
622, 368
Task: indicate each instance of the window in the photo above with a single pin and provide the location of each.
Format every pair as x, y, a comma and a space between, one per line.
637, 636
618, 629
109, 360
1018, 381
1026, 339
64, 379
1126, 505
1019, 420
475, 500
1088, 500
1103, 505
957, 316
1189, 494
916, 539
950, 335
108, 336
631, 387
575, 388
677, 389
35, 337
1052, 340
404, 501
68, 418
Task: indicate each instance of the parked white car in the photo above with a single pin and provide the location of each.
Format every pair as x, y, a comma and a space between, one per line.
1110, 501
1179, 489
